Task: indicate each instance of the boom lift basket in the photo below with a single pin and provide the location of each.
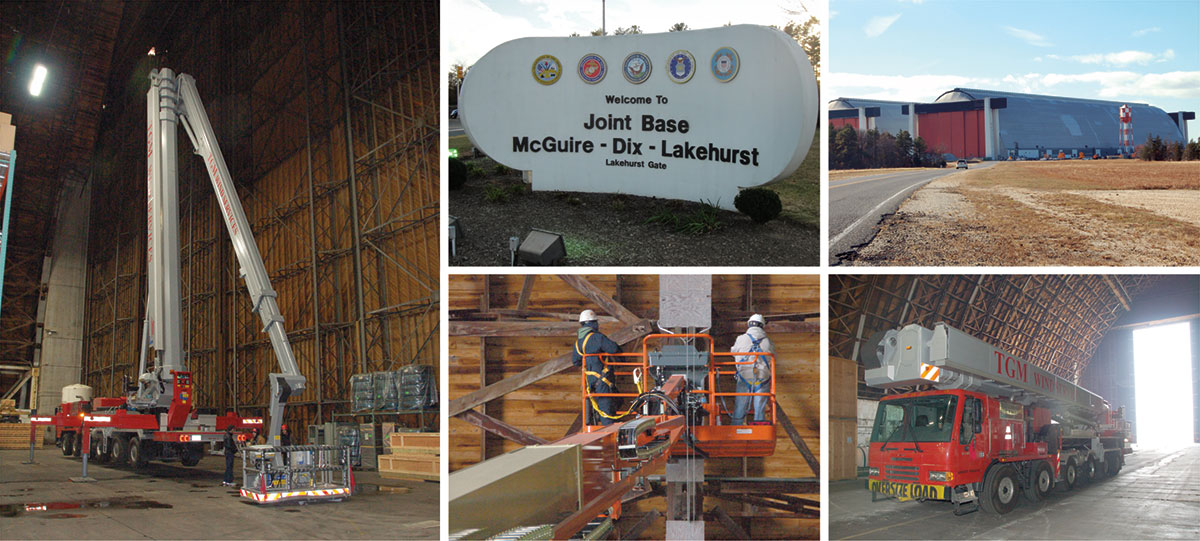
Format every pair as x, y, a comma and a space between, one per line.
717, 371
273, 474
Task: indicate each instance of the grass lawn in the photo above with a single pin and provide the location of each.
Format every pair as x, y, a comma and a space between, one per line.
800, 193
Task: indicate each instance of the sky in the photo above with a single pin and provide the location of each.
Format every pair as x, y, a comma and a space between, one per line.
1145, 52
474, 27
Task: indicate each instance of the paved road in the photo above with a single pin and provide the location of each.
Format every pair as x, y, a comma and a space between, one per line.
857, 204
456, 127
1155, 496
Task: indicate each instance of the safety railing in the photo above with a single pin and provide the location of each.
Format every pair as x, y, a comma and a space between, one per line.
295, 470
641, 362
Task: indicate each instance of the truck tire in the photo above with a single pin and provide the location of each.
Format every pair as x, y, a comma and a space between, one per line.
68, 443
1112, 462
104, 451
94, 448
1040, 481
1088, 471
1070, 474
77, 448
120, 452
1000, 487
190, 456
137, 454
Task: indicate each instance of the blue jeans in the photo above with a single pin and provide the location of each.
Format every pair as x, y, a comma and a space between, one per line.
229, 468
742, 403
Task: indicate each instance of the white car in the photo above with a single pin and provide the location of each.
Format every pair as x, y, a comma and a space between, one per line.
962, 164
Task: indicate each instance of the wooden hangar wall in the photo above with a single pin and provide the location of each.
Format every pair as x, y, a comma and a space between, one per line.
547, 408
352, 250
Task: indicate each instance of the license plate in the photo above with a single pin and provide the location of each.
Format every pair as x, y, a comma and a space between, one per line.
906, 491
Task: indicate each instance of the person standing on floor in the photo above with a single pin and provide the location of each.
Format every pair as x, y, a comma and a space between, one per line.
755, 376
230, 455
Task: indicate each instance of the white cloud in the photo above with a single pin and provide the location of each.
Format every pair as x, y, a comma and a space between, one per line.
1124, 84
1032, 38
1123, 58
878, 25
1144, 31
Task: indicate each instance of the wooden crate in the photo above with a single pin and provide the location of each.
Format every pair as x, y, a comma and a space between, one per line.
16, 436
426, 467
415, 440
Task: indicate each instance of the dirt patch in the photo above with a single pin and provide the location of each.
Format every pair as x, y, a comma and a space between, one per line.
979, 218
1182, 205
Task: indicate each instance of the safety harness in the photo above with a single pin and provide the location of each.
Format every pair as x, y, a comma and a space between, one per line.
755, 347
581, 349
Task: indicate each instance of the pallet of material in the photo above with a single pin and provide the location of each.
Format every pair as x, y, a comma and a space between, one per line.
423, 467
16, 436
414, 443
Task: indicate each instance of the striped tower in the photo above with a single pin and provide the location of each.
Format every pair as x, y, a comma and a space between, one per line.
1126, 130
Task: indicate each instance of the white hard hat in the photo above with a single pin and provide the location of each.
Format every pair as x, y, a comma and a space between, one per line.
757, 318
586, 316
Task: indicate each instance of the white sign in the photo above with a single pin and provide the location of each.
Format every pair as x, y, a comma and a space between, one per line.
691, 115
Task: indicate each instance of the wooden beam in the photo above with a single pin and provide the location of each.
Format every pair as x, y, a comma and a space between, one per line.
483, 439
526, 289
640, 526
601, 299
729, 523
513, 328
576, 425
1176, 319
1117, 291
784, 327
537, 373
501, 428
786, 423
499, 313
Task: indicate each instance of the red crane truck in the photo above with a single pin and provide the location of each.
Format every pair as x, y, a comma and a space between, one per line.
994, 426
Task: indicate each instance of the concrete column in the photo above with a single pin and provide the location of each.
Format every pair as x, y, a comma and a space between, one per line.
912, 120
685, 498
862, 119
989, 144
62, 332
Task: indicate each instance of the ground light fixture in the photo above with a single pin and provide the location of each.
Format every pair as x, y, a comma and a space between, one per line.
39, 79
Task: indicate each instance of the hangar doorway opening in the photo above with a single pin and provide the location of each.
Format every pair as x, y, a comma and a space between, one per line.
1163, 375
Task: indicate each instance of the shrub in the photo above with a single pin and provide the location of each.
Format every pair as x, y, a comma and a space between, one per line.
703, 220
760, 204
458, 173
474, 171
502, 169
496, 193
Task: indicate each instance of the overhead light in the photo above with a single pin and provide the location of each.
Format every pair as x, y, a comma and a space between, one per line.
150, 52
39, 78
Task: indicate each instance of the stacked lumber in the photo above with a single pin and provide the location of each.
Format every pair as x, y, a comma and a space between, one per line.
16, 436
413, 455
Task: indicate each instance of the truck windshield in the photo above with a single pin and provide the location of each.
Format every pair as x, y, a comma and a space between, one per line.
919, 419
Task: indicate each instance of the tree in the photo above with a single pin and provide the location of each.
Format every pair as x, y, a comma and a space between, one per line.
808, 35
904, 147
1175, 151
919, 150
845, 153
1192, 151
573, 35
454, 80
599, 32
635, 29
678, 27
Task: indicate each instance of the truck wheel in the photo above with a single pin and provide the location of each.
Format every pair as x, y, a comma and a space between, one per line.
1000, 490
120, 453
94, 448
137, 454
1040, 481
68, 444
190, 455
1089, 470
77, 447
1070, 474
1112, 461
104, 453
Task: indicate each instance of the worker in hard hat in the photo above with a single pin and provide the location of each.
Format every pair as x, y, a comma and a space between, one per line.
599, 377
755, 376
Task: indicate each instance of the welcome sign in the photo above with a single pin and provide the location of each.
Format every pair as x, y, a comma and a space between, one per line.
692, 115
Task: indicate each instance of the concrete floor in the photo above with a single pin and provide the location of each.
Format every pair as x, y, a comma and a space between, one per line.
169, 501
1156, 496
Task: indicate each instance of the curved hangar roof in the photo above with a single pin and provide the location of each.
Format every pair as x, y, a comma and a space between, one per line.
1058, 123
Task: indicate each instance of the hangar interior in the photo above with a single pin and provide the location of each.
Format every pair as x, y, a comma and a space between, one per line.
512, 386
326, 114
1078, 327
991, 124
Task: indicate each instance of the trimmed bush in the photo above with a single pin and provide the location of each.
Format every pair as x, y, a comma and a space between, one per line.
760, 204
458, 173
